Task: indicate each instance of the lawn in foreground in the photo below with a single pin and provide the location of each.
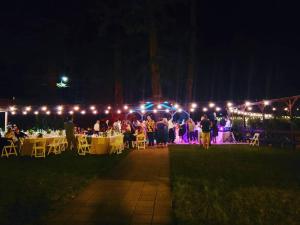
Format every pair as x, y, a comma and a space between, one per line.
32, 188
231, 185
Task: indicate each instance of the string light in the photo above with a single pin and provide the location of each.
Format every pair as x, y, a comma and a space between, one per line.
180, 110
125, 107
266, 102
218, 109
71, 112
204, 109
192, 110
36, 112
59, 112
60, 108
167, 110
194, 105
247, 103
13, 113
106, 111
119, 111
274, 109
82, 112
142, 106
92, 107
249, 108
211, 105
109, 107
155, 110
28, 108
12, 108
286, 109
95, 112
76, 108
24, 112
48, 112
229, 104
143, 111
44, 108
130, 111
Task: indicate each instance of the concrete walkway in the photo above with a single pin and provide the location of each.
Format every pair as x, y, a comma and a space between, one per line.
137, 191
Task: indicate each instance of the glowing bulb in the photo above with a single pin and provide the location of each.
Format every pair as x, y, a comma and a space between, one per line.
247, 103
119, 111
95, 112
274, 109
192, 109
143, 111
48, 112
229, 104
71, 112
249, 108
65, 79
211, 105
130, 111
142, 106
92, 107
12, 108
180, 110
106, 111
108, 107
155, 110
13, 112
167, 110
60, 108
36, 112
176, 106
24, 112
194, 105
82, 112
59, 112
204, 109
76, 108
28, 108
44, 108
218, 109
159, 106
286, 109
266, 102
125, 107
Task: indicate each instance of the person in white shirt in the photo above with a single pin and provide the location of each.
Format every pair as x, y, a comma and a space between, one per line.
97, 127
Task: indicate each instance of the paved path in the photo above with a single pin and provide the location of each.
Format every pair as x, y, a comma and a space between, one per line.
137, 191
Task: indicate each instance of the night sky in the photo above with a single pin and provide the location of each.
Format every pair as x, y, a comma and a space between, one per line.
244, 49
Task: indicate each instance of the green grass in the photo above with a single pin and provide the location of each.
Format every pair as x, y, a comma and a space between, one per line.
32, 188
231, 185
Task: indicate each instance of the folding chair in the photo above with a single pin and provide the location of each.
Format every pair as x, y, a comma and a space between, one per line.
83, 145
255, 140
39, 148
54, 146
141, 141
9, 149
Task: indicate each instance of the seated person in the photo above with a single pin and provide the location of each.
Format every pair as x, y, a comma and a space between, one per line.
10, 134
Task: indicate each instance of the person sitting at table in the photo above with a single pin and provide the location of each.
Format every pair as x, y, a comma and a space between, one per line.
10, 134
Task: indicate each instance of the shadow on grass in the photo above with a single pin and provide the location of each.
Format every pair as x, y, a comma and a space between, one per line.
235, 185
31, 188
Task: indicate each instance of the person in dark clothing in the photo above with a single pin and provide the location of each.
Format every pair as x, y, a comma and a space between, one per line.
205, 125
69, 128
214, 131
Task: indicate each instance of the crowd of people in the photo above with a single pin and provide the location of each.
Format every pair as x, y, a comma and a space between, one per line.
161, 132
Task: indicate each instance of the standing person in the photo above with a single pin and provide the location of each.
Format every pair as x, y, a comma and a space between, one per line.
191, 130
69, 127
171, 129
150, 128
205, 125
182, 130
214, 131
162, 132
97, 127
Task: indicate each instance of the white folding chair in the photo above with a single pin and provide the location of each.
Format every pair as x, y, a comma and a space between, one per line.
141, 142
54, 146
9, 149
255, 140
39, 148
83, 146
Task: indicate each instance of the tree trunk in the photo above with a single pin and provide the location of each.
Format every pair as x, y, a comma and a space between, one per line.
117, 76
153, 46
192, 51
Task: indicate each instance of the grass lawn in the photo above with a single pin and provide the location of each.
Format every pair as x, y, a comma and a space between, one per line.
31, 188
231, 185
